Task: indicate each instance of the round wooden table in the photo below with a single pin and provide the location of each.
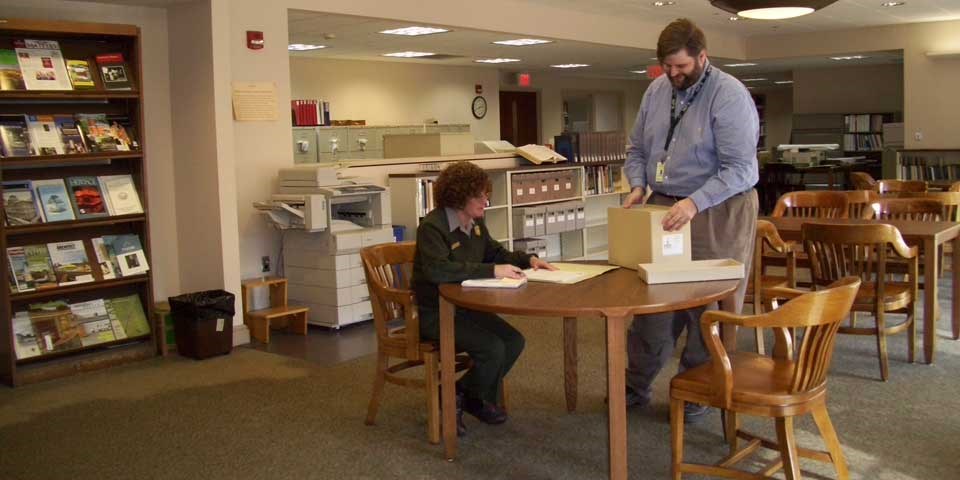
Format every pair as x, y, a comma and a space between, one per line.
615, 297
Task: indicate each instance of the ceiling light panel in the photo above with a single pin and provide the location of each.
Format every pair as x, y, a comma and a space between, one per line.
522, 42
849, 57
415, 31
783, 82
892, 4
497, 60
734, 65
570, 65
777, 13
770, 9
753, 79
301, 47
638, 71
408, 54
664, 4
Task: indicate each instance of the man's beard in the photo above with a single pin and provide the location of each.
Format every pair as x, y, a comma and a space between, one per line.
686, 81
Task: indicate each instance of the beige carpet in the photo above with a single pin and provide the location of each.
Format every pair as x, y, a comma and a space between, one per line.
261, 416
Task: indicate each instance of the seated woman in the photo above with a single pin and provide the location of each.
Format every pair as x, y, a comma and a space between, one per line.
453, 244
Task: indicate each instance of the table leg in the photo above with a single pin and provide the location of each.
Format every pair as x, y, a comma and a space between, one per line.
930, 306
570, 362
448, 400
955, 271
616, 395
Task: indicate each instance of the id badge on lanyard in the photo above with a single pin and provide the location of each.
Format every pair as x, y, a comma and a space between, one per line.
661, 174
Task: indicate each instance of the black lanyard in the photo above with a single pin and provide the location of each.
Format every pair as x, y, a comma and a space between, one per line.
676, 117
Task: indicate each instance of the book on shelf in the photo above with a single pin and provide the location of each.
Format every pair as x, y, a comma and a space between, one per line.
39, 266
21, 279
14, 140
44, 135
80, 76
70, 134
54, 200
128, 311
42, 65
127, 254
20, 205
70, 263
86, 197
120, 194
10, 76
115, 72
103, 258
94, 321
25, 343
102, 135
55, 326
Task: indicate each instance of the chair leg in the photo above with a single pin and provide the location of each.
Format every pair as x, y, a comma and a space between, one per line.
730, 428
882, 346
788, 448
912, 333
676, 435
853, 319
432, 383
758, 332
829, 436
378, 382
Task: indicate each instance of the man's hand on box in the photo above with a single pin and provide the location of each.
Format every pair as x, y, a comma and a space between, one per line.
635, 197
678, 216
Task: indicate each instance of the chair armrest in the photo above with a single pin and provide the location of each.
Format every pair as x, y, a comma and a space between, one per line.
722, 379
784, 292
901, 248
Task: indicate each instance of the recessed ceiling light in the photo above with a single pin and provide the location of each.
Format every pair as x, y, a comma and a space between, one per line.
522, 42
664, 4
783, 82
849, 57
570, 65
891, 4
638, 71
414, 31
770, 10
497, 60
734, 18
740, 64
777, 13
408, 54
753, 79
299, 47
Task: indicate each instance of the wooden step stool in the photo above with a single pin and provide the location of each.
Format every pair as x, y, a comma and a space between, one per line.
279, 315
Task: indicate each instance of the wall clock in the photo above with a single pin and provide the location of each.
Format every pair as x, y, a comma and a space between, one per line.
479, 107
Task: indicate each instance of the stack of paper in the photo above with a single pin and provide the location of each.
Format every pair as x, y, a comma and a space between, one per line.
494, 282
567, 273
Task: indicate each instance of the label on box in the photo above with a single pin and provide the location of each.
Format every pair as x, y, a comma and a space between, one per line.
540, 220
551, 219
528, 222
673, 245
571, 217
568, 186
519, 192
532, 190
219, 324
556, 187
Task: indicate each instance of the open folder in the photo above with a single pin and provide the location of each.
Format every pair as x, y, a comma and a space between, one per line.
494, 282
567, 273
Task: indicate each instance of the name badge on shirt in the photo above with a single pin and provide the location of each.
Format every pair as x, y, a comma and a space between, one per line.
455, 246
660, 172
476, 230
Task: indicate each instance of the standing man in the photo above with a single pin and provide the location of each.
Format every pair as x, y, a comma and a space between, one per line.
694, 144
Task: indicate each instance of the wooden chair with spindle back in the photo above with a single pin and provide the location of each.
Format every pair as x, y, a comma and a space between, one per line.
918, 209
862, 181
782, 386
812, 204
951, 213
885, 187
859, 203
388, 268
866, 251
768, 240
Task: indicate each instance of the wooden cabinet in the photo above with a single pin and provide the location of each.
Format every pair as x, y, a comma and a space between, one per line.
80, 41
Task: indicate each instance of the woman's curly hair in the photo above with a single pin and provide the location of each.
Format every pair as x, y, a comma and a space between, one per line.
460, 182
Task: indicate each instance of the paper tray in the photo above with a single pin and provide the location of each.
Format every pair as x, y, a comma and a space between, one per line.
694, 271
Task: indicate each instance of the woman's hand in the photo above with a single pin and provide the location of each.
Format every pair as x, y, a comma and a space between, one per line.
507, 271
537, 263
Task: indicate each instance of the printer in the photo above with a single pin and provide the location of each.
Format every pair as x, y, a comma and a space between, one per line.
326, 219
806, 154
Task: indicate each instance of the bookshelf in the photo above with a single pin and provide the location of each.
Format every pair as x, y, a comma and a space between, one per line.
80, 41
592, 189
939, 168
760, 101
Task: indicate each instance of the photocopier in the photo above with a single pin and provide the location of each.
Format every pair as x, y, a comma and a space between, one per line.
326, 220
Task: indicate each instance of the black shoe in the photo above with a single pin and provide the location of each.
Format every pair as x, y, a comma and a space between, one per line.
633, 399
461, 427
485, 412
693, 413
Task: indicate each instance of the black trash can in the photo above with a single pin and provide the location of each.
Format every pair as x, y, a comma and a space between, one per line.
203, 323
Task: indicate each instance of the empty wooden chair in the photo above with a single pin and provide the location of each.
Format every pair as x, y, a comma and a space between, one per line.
950, 201
837, 251
782, 386
920, 209
859, 203
768, 241
812, 204
885, 187
862, 181
388, 268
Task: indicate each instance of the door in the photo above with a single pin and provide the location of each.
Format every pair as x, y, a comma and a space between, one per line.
519, 122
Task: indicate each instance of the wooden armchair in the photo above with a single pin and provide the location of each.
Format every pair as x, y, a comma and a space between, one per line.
862, 181
885, 187
768, 240
859, 203
837, 251
782, 386
920, 209
812, 204
388, 268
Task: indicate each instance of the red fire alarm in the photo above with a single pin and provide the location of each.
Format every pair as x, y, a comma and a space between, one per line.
523, 79
478, 88
654, 71
254, 40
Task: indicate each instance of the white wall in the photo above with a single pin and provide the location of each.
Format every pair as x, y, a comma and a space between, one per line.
398, 93
867, 89
158, 143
